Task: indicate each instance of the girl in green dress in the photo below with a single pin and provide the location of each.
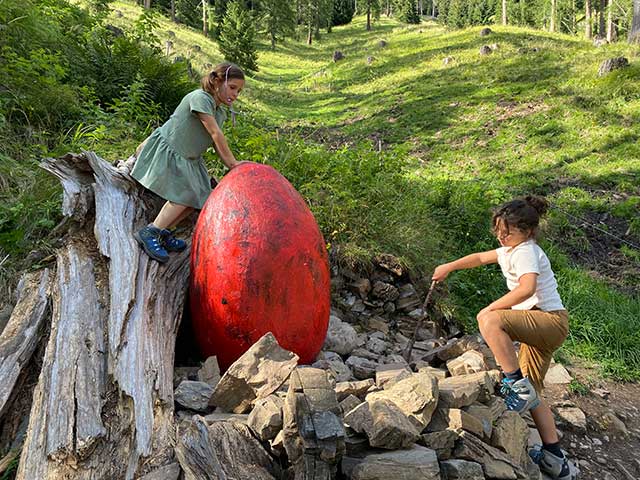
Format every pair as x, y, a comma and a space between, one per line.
170, 160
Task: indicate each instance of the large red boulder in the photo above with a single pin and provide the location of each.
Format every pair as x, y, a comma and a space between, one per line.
258, 264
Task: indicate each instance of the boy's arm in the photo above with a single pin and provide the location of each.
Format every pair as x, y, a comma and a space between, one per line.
219, 142
470, 261
527, 284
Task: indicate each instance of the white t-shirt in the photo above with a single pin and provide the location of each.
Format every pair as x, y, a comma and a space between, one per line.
528, 257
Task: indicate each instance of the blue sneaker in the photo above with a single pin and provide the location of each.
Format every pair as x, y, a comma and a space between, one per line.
150, 240
556, 467
171, 243
519, 396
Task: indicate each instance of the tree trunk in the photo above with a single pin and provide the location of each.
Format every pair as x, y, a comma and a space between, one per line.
103, 405
634, 32
173, 11
368, 17
310, 33
552, 21
147, 4
504, 12
611, 27
601, 19
205, 26
587, 19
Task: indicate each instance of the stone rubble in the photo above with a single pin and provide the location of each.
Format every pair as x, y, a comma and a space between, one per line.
361, 412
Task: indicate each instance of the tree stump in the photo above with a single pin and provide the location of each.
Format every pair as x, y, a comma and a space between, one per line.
103, 405
612, 64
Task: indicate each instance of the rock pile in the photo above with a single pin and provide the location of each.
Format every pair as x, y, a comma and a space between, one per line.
360, 412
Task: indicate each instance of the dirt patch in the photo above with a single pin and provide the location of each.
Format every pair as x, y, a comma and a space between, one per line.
601, 249
603, 452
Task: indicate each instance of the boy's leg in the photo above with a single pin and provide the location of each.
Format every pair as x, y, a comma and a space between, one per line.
499, 341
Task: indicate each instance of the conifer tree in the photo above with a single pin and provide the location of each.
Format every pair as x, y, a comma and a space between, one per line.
407, 11
237, 37
278, 19
343, 11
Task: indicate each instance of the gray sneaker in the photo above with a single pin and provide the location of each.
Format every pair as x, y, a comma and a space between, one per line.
519, 396
557, 468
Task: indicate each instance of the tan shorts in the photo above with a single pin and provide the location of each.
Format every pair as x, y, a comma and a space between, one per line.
540, 334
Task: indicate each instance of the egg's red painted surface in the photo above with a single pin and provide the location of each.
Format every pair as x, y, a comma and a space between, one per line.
258, 264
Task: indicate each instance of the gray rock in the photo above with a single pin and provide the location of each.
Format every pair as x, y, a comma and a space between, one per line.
226, 417
389, 374
337, 55
333, 363
470, 361
193, 395
463, 390
382, 43
361, 367
511, 434
266, 417
385, 425
377, 346
573, 417
416, 463
349, 403
256, 374
313, 428
210, 371
557, 375
485, 31
485, 50
341, 337
443, 442
358, 389
416, 397
495, 463
461, 470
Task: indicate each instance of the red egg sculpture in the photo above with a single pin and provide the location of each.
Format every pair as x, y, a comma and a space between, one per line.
258, 264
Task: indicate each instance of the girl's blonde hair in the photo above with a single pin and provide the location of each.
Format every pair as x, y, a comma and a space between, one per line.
222, 72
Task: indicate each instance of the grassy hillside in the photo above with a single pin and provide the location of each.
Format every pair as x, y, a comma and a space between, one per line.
407, 155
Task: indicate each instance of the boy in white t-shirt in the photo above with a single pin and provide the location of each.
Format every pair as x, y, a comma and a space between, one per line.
531, 313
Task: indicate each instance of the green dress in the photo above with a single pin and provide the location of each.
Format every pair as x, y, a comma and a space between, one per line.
170, 164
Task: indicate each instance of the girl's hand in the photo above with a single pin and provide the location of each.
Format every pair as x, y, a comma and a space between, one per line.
441, 272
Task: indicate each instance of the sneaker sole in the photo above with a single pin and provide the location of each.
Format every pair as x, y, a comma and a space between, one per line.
149, 253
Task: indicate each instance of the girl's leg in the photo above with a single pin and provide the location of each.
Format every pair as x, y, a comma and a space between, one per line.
188, 211
170, 214
499, 341
546, 425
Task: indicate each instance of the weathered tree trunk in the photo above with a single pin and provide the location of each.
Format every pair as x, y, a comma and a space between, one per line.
587, 19
103, 405
368, 17
634, 32
147, 4
552, 20
504, 12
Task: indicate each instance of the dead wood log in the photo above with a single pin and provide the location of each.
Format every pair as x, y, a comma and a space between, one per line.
222, 451
103, 406
20, 337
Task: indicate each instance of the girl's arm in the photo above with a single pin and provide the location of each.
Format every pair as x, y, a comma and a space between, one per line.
470, 261
527, 284
219, 142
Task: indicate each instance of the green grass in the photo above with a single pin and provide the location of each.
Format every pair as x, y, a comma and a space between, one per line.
455, 140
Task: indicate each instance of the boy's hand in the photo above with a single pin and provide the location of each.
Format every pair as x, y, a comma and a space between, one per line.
441, 272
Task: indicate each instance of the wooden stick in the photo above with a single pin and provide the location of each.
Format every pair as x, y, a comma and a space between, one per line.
407, 352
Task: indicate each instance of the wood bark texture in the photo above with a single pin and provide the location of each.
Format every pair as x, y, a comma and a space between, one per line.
103, 406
